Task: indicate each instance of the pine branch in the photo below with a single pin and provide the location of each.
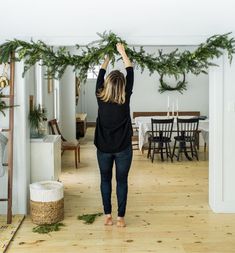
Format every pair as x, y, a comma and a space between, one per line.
89, 218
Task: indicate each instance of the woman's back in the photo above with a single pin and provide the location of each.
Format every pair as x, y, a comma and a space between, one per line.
113, 126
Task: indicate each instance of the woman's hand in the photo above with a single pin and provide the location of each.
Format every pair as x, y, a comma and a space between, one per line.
106, 58
120, 48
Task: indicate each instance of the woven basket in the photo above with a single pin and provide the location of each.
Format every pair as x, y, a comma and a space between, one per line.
46, 202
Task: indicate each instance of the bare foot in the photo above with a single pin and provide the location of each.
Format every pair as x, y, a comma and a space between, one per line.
108, 221
121, 222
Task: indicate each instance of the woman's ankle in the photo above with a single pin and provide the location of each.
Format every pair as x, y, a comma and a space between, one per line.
120, 218
121, 221
108, 219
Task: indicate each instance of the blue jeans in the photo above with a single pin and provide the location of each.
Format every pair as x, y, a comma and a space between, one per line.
123, 163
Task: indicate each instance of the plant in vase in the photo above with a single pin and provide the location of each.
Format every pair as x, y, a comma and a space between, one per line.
37, 116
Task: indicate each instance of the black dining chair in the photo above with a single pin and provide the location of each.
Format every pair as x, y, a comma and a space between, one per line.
160, 138
187, 134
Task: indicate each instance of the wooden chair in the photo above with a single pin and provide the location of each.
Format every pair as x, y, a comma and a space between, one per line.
161, 132
54, 128
187, 131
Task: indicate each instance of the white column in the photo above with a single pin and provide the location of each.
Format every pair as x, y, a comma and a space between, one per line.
222, 136
68, 106
38, 85
21, 142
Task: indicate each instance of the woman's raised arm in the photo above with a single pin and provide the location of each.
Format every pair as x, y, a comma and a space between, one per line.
105, 63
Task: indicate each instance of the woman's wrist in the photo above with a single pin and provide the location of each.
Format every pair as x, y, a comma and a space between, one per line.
123, 54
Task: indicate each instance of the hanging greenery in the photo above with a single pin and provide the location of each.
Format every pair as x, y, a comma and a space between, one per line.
174, 63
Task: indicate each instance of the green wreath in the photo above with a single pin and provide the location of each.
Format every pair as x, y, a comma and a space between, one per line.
180, 86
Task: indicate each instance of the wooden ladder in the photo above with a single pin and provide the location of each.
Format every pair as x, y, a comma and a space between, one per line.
10, 131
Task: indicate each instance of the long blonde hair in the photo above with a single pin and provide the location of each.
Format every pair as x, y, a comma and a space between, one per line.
114, 88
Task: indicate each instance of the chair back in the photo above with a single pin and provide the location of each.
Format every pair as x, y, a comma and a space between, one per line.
54, 128
187, 128
162, 128
151, 114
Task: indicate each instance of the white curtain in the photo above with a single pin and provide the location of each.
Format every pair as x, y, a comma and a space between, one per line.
3, 144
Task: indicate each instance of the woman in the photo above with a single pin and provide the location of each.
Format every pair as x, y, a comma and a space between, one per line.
113, 134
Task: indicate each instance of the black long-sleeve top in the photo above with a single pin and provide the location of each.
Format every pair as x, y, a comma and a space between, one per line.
113, 125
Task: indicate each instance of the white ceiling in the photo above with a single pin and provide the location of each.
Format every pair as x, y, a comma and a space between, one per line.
130, 19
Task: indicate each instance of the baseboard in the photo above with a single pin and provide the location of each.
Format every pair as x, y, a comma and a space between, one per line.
223, 207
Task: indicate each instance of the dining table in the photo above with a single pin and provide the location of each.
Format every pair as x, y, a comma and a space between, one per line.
143, 124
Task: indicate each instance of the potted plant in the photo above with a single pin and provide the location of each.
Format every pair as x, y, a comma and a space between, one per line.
37, 116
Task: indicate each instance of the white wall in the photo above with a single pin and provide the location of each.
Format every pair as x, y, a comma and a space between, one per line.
145, 95
80, 20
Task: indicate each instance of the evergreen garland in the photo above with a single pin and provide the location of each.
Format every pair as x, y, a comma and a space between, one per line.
171, 64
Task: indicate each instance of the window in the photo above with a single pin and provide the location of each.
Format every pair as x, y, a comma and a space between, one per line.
93, 72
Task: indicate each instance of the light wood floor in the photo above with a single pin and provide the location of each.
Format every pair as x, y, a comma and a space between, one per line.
167, 211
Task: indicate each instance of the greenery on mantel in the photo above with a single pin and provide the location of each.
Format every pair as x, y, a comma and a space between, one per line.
175, 63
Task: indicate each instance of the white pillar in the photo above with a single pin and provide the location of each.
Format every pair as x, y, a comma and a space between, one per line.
67, 105
21, 142
222, 136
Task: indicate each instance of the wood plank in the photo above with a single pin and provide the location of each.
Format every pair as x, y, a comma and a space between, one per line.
167, 211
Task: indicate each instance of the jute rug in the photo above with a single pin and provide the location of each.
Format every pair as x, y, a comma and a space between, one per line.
7, 231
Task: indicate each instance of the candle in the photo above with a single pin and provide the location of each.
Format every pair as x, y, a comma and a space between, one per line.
168, 106
177, 107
